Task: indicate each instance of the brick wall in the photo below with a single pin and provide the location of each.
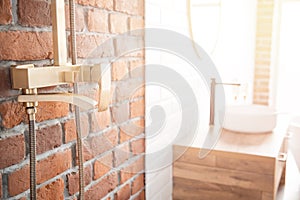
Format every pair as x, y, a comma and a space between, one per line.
114, 160
264, 28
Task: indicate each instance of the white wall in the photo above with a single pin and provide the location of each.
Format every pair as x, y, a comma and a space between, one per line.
171, 15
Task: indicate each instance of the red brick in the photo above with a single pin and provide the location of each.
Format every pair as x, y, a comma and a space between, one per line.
123, 193
138, 146
133, 46
70, 128
102, 188
132, 169
118, 23
103, 165
141, 196
97, 145
90, 90
120, 113
48, 168
12, 150
138, 183
132, 129
85, 2
258, 90
137, 69
136, 23
73, 180
12, 113
53, 165
79, 17
34, 13
53, 190
134, 7
88, 46
100, 120
139, 92
97, 21
139, 53
5, 84
112, 137
22, 45
262, 62
137, 108
261, 76
121, 154
18, 181
5, 12
48, 138
125, 89
0, 186
119, 71
51, 110
261, 100
84, 124
106, 4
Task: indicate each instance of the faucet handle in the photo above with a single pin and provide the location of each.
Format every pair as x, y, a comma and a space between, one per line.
29, 77
83, 102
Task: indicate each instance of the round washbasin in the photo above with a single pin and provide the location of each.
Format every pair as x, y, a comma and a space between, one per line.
250, 118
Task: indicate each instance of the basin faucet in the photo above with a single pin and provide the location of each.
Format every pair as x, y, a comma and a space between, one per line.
212, 99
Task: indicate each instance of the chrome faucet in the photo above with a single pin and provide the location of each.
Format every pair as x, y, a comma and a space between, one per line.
212, 99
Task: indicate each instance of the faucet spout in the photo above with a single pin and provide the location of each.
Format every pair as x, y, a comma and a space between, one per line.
212, 98
78, 100
212, 102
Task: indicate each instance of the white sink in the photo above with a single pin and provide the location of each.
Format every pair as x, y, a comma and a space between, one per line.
250, 118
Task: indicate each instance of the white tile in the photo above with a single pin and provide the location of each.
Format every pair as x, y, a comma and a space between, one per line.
152, 15
158, 183
167, 191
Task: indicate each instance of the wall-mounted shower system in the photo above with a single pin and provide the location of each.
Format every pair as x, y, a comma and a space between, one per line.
30, 78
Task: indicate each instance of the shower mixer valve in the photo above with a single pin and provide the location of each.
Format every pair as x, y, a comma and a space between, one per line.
29, 78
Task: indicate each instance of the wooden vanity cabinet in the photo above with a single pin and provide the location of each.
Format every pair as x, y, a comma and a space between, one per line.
240, 167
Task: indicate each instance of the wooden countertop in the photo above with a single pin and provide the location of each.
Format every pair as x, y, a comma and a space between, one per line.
261, 144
